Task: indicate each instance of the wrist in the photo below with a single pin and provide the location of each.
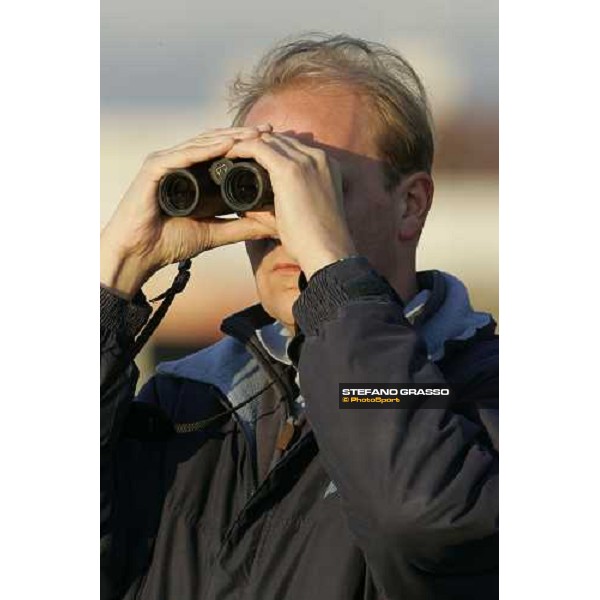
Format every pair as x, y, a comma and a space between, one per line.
123, 275
324, 257
338, 285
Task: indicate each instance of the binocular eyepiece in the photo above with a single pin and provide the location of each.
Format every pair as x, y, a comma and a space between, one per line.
214, 188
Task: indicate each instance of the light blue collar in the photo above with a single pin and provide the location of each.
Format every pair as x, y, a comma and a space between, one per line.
454, 319
231, 367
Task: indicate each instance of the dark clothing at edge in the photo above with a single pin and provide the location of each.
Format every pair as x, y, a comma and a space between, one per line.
356, 504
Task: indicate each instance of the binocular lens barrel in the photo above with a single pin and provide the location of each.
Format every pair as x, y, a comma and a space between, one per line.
178, 193
245, 186
219, 188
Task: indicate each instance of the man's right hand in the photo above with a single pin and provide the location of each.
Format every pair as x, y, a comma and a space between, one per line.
139, 239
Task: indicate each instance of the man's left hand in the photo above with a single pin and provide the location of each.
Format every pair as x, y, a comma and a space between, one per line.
307, 185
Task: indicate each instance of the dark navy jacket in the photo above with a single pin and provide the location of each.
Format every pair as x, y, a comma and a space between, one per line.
204, 497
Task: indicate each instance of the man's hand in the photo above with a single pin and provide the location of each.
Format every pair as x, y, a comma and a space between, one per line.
139, 239
307, 184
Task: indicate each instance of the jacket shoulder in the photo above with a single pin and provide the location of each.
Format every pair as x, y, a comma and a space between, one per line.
473, 364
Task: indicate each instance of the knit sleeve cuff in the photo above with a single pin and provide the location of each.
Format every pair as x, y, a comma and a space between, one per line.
118, 314
345, 282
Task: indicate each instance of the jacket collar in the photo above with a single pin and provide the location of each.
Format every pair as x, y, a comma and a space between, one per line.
441, 311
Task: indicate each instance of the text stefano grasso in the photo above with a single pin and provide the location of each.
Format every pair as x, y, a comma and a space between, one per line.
409, 390
394, 395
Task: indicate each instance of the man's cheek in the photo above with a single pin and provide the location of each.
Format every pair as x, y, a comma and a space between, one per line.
359, 226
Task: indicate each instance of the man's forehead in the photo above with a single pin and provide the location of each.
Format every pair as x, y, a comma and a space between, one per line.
335, 117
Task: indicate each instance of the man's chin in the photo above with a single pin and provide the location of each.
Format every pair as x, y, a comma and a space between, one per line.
280, 308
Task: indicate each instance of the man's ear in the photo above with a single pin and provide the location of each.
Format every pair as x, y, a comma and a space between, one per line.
415, 195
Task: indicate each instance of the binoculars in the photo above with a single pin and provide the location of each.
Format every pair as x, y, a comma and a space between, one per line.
213, 188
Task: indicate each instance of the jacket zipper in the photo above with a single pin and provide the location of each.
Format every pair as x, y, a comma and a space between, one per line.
302, 443
276, 379
287, 397
263, 362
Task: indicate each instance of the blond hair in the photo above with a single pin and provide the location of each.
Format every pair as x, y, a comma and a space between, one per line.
404, 134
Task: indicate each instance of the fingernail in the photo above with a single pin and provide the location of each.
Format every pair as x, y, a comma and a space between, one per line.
264, 126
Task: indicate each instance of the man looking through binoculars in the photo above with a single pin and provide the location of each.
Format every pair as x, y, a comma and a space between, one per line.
288, 496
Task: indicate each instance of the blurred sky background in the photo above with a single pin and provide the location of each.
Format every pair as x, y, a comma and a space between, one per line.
165, 67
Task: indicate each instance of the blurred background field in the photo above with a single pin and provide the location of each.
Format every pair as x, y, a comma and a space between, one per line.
165, 68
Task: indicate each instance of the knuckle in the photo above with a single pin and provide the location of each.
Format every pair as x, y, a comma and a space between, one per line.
152, 157
152, 161
319, 155
306, 161
188, 151
158, 156
209, 242
294, 168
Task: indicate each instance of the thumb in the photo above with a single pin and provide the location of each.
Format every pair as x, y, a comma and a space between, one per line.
230, 231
